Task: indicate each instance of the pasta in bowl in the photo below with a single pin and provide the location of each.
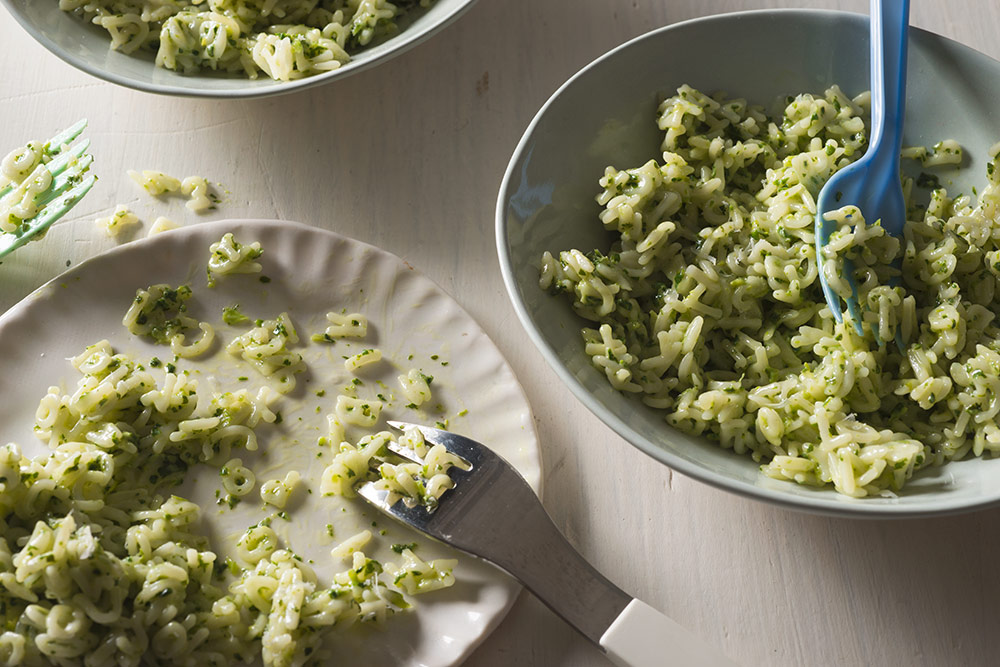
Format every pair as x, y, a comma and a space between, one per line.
695, 287
230, 48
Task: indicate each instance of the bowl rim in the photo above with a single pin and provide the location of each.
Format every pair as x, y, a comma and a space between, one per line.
401, 43
844, 507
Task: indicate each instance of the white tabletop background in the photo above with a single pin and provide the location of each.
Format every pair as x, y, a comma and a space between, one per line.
409, 156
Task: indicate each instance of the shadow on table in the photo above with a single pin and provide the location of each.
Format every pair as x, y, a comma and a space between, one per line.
920, 581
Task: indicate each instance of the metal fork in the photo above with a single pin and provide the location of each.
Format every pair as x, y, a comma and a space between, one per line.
493, 514
70, 182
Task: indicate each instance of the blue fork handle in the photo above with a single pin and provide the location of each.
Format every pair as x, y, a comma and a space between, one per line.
890, 22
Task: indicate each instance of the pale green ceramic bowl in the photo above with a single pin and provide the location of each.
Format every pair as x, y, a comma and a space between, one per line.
605, 115
88, 48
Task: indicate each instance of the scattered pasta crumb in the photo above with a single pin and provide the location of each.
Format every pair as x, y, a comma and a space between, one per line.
162, 224
155, 183
196, 188
158, 184
117, 221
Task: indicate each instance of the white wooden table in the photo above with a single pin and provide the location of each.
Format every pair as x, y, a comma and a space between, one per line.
409, 157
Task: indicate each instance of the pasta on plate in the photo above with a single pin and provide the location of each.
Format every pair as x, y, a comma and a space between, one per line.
103, 563
707, 304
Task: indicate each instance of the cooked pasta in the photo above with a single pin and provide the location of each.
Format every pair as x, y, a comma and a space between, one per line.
162, 224
158, 312
229, 256
155, 183
417, 576
276, 492
195, 349
416, 387
370, 460
158, 184
95, 558
708, 306
283, 39
20, 203
237, 479
358, 411
197, 190
420, 483
365, 357
413, 439
942, 153
335, 432
352, 464
114, 224
266, 348
102, 564
99, 565
342, 325
25, 175
352, 544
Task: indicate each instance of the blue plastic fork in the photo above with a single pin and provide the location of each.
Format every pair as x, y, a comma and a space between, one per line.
872, 183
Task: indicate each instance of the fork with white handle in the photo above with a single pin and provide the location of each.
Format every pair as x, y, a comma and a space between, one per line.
39, 183
492, 513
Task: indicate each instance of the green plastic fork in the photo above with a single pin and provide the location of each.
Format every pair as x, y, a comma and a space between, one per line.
68, 165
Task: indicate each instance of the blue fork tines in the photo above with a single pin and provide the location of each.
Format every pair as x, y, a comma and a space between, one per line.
873, 182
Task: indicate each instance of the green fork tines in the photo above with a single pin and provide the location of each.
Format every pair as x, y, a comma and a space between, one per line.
68, 165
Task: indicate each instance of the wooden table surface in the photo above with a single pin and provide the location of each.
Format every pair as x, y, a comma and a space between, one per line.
409, 156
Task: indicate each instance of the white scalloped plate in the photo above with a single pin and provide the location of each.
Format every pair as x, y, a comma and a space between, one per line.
310, 272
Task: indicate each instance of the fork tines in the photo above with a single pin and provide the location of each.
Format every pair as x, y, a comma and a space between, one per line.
68, 166
415, 515
471, 452
477, 460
